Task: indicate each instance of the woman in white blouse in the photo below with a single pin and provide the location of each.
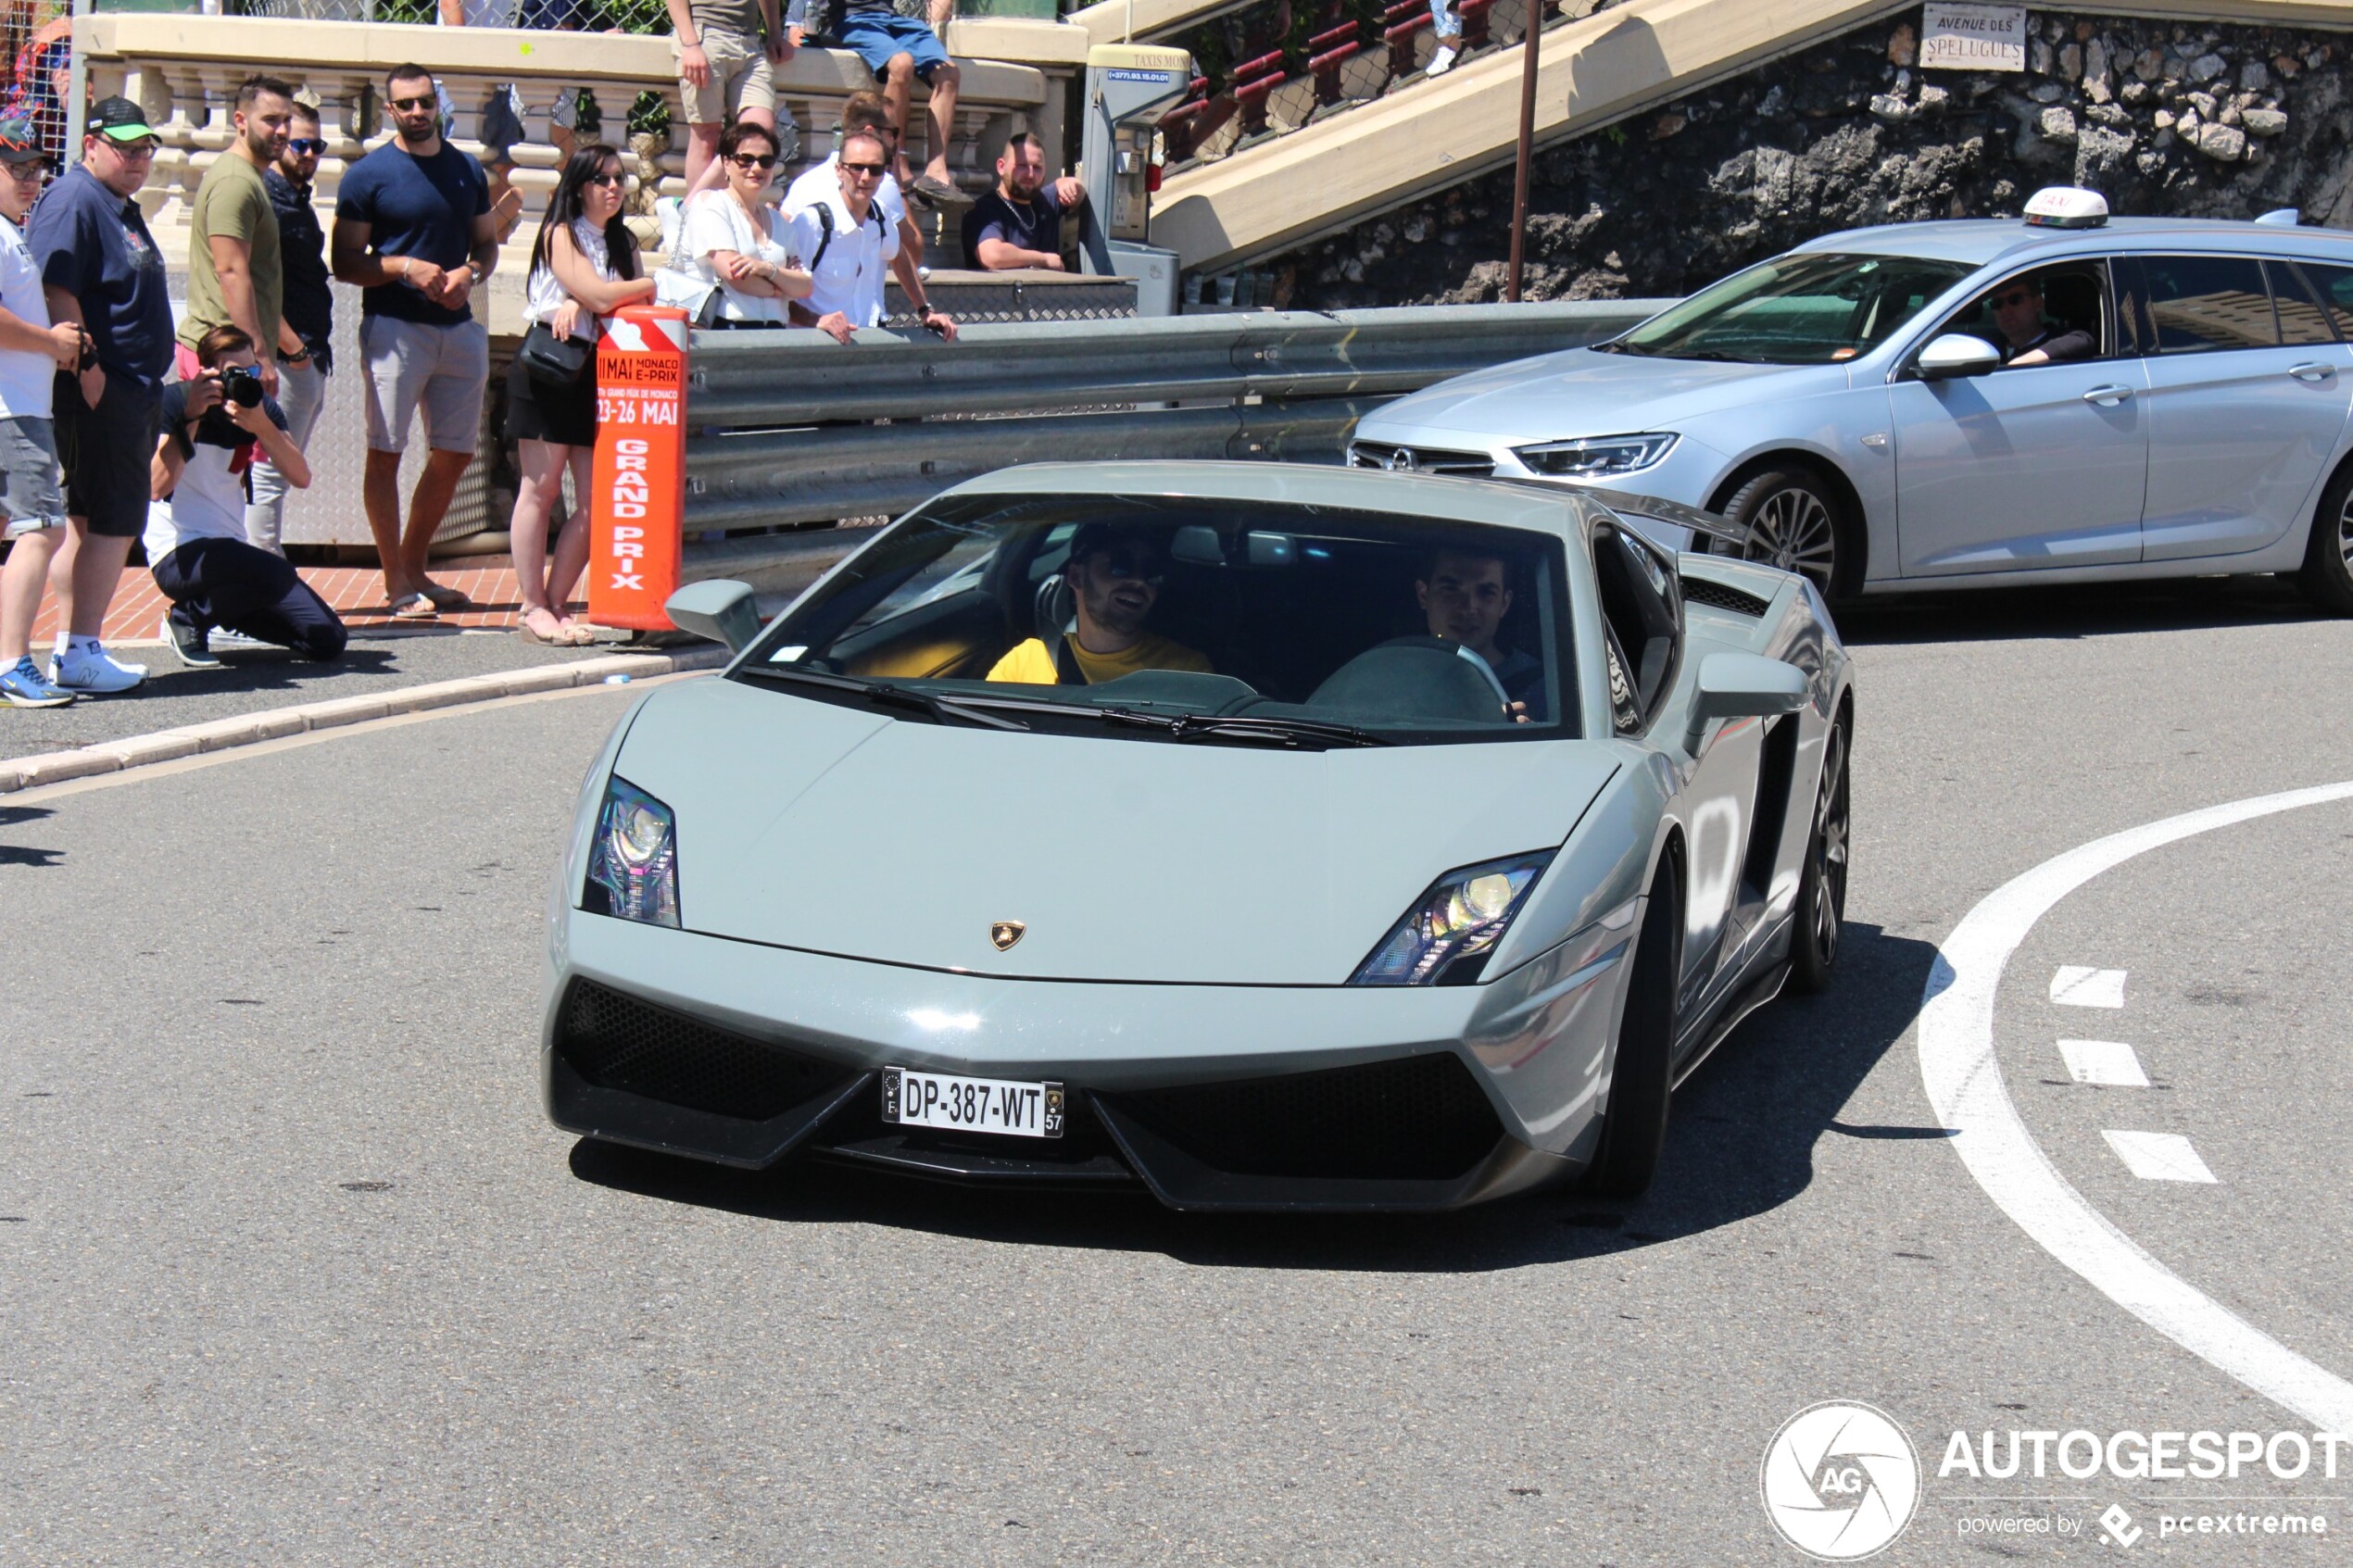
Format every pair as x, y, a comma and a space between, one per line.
735, 240
583, 266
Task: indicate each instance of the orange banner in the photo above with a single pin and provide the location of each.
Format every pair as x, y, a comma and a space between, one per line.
640, 476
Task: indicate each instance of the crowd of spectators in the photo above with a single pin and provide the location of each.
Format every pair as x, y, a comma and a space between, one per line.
117, 427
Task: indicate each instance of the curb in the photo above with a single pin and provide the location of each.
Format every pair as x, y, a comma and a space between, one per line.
272, 723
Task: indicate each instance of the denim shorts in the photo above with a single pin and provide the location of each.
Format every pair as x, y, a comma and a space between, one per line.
30, 499
875, 37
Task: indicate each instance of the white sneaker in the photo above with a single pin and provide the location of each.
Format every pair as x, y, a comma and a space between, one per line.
89, 668
1441, 62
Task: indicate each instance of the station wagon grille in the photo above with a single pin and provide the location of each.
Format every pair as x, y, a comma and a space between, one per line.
614, 1041
1419, 459
1700, 591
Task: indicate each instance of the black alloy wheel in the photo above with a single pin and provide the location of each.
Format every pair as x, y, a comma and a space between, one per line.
1641, 1080
2327, 577
1795, 520
1821, 915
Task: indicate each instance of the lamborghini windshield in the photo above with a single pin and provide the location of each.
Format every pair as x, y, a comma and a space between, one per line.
1159, 618
1801, 309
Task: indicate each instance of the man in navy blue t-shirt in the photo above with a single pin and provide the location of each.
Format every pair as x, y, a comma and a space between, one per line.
99, 267
1019, 222
413, 229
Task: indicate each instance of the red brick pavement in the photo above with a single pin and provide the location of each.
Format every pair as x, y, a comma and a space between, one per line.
357, 593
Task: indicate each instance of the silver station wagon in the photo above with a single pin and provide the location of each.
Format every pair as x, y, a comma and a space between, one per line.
1963, 405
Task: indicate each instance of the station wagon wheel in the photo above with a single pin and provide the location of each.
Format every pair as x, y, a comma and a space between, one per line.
1818, 921
1642, 1077
1795, 520
2327, 577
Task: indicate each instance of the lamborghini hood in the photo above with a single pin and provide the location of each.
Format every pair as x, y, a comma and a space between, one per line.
833, 830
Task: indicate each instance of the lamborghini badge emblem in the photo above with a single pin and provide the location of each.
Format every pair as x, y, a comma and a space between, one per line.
1005, 932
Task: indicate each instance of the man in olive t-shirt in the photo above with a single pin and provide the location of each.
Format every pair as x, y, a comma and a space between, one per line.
235, 276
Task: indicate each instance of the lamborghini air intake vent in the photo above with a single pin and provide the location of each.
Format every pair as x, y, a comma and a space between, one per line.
614, 1041
1700, 591
1418, 1119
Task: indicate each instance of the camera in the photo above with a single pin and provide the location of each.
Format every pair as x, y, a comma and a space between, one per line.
242, 387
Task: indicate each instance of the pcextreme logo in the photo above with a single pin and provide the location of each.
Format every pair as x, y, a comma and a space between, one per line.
1840, 1481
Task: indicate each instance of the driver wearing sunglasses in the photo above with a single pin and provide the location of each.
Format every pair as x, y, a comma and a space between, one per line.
2016, 306
1115, 576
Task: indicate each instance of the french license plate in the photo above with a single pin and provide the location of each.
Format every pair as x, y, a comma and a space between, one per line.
971, 1105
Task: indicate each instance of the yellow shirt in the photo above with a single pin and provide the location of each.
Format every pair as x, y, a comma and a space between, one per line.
1030, 665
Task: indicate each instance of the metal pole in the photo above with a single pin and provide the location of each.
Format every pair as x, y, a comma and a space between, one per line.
77, 89
1526, 144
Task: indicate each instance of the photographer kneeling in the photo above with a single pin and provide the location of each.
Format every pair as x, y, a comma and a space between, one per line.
213, 428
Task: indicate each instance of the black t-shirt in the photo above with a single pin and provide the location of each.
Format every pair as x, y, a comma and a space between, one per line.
419, 207
2056, 345
302, 248
1036, 224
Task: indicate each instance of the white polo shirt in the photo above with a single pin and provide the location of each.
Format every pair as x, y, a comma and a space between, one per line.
849, 275
26, 379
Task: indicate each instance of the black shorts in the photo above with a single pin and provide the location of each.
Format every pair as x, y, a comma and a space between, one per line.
536, 411
105, 452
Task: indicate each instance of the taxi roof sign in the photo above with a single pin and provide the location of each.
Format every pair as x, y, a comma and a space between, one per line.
2065, 207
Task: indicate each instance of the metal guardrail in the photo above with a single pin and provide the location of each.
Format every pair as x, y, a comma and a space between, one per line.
789, 428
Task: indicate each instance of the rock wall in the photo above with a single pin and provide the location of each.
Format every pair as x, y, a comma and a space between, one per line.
2161, 117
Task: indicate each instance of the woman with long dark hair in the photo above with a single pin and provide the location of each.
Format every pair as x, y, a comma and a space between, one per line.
583, 266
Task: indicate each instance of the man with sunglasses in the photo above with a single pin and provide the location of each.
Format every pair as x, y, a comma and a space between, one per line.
32, 512
306, 353
100, 270
235, 275
846, 243
2027, 339
414, 231
1115, 576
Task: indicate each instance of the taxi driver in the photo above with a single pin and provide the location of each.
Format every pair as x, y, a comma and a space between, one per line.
1115, 576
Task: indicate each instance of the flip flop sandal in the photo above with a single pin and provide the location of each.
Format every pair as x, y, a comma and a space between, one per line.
413, 606
445, 597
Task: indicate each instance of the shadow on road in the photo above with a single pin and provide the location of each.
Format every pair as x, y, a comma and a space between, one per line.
1740, 1142
2083, 609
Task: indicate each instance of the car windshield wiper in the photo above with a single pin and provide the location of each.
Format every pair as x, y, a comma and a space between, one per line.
940, 710
1264, 728
1717, 355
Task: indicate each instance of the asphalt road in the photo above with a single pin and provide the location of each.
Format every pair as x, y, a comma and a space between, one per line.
293, 1270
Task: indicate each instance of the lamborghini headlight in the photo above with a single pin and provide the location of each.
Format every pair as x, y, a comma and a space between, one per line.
1445, 938
632, 860
1596, 456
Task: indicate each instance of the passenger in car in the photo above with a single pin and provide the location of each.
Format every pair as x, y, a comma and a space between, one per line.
2028, 339
1115, 576
1464, 597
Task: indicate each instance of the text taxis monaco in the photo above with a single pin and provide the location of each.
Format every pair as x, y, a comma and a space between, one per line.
1005, 932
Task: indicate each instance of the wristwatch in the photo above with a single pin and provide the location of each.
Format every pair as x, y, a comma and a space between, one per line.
295, 356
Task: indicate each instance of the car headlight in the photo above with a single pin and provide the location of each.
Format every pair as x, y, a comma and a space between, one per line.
1445, 938
633, 861
1596, 456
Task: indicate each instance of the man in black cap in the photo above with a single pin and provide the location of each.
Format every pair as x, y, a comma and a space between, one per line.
100, 270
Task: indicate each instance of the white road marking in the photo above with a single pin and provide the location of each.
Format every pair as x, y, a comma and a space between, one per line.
1964, 1082
2110, 1062
2159, 1157
2074, 988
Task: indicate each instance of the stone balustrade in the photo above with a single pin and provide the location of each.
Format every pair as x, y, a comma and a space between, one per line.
183, 70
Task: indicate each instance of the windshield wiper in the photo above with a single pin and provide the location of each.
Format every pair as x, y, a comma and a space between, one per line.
1717, 355
940, 710
1264, 728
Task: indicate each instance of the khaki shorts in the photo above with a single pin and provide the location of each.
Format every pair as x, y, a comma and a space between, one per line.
443, 370
739, 78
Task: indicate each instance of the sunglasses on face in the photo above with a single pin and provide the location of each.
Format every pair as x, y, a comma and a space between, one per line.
754, 160
608, 182
304, 145
1134, 568
28, 173
135, 149
866, 170
2016, 297
414, 106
